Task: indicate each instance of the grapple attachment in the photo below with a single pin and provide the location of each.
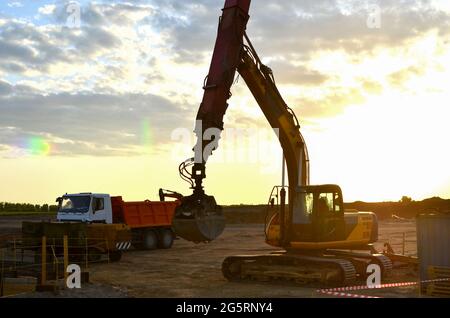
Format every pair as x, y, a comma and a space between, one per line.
198, 219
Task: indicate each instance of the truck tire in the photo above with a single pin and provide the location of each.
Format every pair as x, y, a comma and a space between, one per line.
115, 256
165, 239
94, 255
150, 240
138, 239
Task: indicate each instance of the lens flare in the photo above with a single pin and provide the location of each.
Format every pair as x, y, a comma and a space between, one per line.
38, 146
146, 134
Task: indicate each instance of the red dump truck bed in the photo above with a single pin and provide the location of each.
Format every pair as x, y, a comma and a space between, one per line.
143, 213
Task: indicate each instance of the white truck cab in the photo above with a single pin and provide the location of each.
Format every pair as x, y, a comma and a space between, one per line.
85, 207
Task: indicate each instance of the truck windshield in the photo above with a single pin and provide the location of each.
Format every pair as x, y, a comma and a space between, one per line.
76, 204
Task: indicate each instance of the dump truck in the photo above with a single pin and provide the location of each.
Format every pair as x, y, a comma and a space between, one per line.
104, 224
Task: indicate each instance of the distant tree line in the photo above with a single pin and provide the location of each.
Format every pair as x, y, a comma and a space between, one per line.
26, 207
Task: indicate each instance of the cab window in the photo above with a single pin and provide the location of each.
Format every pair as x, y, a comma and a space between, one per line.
325, 203
329, 203
99, 204
309, 198
337, 203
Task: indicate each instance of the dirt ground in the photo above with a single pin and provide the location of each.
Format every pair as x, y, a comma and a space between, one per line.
194, 270
190, 270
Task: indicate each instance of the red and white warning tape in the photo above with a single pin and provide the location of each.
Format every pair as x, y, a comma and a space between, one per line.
339, 294
339, 290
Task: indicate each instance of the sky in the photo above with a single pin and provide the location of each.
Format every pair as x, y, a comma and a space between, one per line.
105, 100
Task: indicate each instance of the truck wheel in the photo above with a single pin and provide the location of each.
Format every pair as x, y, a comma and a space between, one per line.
138, 239
150, 240
115, 256
165, 239
94, 255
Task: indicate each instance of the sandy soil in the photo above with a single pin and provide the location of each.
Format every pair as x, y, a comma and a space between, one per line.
190, 270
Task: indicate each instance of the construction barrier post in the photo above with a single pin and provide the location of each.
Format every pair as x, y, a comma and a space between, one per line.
15, 254
403, 244
107, 247
55, 265
1, 277
44, 261
87, 255
22, 254
66, 256
54, 256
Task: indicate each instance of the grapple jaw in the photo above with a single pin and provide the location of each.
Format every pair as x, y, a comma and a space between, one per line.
198, 218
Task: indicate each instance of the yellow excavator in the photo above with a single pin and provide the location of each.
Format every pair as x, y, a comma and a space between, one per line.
318, 237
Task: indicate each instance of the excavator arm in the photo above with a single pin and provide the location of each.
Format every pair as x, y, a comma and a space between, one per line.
260, 80
199, 218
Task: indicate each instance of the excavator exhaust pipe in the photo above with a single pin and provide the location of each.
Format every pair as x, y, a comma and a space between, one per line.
198, 218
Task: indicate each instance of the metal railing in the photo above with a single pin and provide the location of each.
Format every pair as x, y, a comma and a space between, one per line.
400, 240
44, 262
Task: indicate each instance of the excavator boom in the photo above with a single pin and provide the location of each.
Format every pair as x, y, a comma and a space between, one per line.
199, 218
260, 80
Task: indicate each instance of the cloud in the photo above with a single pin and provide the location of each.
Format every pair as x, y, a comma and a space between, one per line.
372, 86
286, 73
47, 9
189, 25
299, 28
15, 4
87, 122
332, 101
88, 89
25, 46
5, 88
12, 67
324, 25
399, 77
92, 40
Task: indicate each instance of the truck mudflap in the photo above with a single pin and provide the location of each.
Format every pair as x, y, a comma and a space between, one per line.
198, 219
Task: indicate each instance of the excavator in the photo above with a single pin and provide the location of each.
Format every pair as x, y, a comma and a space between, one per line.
319, 240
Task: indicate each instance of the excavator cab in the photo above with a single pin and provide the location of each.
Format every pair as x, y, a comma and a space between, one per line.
319, 221
318, 215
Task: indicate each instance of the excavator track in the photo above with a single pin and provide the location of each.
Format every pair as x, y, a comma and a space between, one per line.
303, 269
383, 261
